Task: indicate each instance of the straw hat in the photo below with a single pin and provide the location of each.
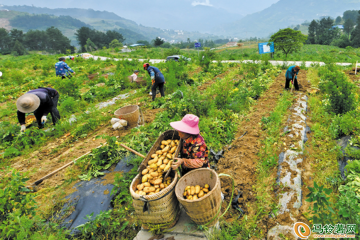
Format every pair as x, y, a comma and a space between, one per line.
189, 124
28, 103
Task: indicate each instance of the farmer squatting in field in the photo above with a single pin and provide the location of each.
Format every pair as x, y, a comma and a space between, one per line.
157, 80
292, 72
194, 152
62, 68
41, 101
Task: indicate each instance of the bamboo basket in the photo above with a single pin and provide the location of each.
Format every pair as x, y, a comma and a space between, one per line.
205, 210
165, 211
129, 113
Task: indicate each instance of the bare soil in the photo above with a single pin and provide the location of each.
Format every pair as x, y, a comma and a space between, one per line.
241, 160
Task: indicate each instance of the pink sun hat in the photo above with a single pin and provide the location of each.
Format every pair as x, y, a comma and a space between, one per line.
189, 124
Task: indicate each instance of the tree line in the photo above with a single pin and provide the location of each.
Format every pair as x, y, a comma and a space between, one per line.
93, 39
326, 31
17, 42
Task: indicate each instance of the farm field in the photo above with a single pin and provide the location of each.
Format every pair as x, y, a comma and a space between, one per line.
230, 99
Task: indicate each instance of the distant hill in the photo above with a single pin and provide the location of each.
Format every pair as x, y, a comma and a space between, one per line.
103, 20
284, 14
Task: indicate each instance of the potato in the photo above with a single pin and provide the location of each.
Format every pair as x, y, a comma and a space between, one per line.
141, 187
197, 189
159, 163
205, 190
154, 174
137, 192
166, 149
207, 186
144, 179
164, 142
165, 161
151, 170
188, 187
162, 185
185, 193
201, 194
152, 161
158, 181
142, 193
189, 197
168, 182
195, 197
153, 155
145, 171
173, 149
167, 168
162, 166
157, 190
146, 189
192, 190
151, 193
157, 186
154, 166
169, 155
165, 185
168, 178
159, 152
173, 143
162, 158
152, 189
146, 184
162, 146
169, 141
173, 156
188, 192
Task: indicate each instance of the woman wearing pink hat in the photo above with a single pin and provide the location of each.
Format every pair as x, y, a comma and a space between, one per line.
194, 153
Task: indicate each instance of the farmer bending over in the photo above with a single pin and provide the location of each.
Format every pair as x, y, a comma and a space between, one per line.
291, 75
194, 153
62, 68
41, 101
157, 80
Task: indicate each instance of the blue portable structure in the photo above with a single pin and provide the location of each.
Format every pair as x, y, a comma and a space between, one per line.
137, 45
266, 47
197, 44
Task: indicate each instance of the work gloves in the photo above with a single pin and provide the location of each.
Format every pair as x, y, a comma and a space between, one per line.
43, 119
23, 128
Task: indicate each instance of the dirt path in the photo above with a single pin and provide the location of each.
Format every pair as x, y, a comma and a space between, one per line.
241, 160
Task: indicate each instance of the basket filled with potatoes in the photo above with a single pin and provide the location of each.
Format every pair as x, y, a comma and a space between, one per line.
196, 192
151, 188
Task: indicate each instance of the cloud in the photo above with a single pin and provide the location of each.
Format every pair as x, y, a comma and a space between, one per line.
206, 3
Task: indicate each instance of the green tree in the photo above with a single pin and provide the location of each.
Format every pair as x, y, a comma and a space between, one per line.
90, 45
115, 44
355, 35
325, 34
313, 27
351, 14
158, 42
5, 41
338, 20
348, 26
36, 40
57, 41
288, 40
18, 49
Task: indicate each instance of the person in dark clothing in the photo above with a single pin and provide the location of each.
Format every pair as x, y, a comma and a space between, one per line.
41, 101
291, 75
157, 80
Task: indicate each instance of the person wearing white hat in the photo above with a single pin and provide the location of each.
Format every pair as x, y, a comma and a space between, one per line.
41, 101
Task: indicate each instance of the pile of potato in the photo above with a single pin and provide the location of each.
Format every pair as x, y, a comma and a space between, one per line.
152, 176
196, 192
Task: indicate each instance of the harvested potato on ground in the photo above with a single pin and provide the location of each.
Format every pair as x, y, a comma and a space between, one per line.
173, 143
153, 155
166, 161
164, 142
159, 152
158, 181
201, 194
144, 179
207, 186
147, 184
145, 171
154, 174
205, 190
162, 146
166, 149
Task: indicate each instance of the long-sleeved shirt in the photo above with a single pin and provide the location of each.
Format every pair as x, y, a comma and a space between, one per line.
195, 152
134, 77
291, 72
155, 74
46, 103
62, 69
